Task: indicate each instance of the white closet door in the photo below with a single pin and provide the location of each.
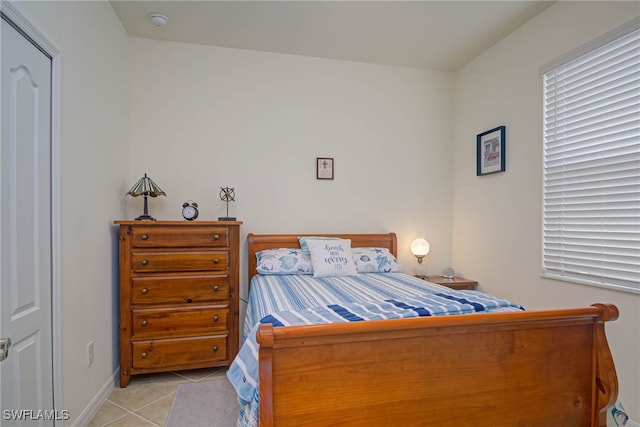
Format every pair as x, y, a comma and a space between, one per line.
26, 374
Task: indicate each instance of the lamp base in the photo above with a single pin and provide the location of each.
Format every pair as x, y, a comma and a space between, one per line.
145, 218
420, 270
226, 218
145, 212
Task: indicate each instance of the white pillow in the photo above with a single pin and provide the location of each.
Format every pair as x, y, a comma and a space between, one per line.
331, 257
303, 241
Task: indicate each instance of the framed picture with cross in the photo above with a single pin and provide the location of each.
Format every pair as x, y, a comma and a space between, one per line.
324, 167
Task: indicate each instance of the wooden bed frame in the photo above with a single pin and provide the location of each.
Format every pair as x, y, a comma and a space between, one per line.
535, 368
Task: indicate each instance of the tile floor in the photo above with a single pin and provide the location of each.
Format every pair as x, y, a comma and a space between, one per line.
146, 401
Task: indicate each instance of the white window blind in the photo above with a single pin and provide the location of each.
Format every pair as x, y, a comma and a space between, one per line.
591, 206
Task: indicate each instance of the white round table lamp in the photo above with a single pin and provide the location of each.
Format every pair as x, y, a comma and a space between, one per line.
420, 248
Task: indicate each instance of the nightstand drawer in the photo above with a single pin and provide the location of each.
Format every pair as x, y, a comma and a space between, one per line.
179, 236
180, 289
178, 261
178, 352
163, 322
456, 283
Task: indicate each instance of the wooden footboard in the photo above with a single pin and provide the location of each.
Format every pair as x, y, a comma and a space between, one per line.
538, 368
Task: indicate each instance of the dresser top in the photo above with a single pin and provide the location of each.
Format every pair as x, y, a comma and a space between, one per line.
176, 222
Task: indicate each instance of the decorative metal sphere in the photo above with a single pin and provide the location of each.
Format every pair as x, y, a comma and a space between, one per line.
227, 194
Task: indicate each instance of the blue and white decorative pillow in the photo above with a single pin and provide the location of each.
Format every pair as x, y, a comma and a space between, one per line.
331, 257
283, 261
617, 416
375, 260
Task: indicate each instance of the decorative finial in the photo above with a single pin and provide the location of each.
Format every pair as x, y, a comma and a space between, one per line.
227, 195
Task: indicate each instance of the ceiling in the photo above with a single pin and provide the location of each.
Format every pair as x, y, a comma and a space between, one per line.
438, 35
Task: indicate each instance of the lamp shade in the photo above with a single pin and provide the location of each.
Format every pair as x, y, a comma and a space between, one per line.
420, 248
146, 187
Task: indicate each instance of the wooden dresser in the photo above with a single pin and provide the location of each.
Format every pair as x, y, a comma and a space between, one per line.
179, 295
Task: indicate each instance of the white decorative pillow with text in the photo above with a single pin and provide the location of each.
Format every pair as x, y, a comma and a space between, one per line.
331, 257
304, 239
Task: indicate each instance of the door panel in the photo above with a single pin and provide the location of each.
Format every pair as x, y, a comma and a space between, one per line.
26, 375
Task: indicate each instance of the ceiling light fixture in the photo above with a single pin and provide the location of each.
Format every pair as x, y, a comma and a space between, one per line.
158, 19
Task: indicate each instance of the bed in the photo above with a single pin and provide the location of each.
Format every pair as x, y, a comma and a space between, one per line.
473, 359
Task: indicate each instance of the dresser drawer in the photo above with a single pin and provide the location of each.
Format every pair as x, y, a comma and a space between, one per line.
178, 352
179, 236
179, 289
161, 261
163, 322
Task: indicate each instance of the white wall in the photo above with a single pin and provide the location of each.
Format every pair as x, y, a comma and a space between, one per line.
497, 218
205, 117
94, 161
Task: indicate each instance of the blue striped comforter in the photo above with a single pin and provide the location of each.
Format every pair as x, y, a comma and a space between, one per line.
303, 300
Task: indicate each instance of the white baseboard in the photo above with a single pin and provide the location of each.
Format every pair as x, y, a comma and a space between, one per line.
96, 403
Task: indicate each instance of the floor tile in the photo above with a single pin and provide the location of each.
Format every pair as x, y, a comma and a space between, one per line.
136, 396
201, 374
144, 389
108, 412
131, 420
157, 411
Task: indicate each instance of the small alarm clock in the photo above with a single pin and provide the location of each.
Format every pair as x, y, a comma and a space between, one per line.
190, 210
448, 273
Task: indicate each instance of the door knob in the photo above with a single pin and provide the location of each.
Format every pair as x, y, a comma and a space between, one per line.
5, 343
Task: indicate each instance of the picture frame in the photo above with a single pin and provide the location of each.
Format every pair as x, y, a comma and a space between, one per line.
490, 151
324, 167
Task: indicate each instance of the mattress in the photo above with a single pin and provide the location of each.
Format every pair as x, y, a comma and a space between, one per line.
284, 300
294, 292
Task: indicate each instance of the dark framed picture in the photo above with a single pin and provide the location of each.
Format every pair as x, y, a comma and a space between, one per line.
324, 168
490, 151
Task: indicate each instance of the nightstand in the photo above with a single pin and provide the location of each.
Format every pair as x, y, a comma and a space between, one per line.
456, 283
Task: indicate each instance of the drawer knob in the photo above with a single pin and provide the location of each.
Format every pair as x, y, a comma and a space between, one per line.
144, 323
143, 355
144, 291
216, 288
215, 348
216, 261
216, 237
144, 262
144, 237
215, 318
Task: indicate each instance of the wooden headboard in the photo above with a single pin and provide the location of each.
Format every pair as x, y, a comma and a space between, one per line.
259, 242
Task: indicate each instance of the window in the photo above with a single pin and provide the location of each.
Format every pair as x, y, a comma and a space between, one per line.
591, 206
